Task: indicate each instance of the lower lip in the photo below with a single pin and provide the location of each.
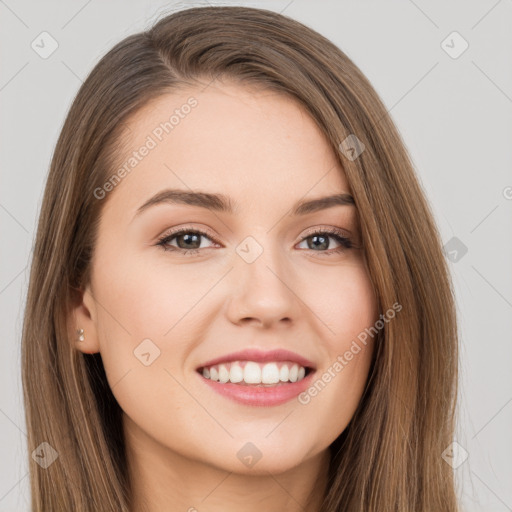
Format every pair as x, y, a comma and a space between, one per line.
263, 396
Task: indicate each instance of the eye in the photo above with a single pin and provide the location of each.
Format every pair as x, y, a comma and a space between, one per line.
188, 241
320, 240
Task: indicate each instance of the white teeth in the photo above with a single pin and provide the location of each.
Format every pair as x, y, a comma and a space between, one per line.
270, 374
294, 371
236, 374
223, 373
250, 372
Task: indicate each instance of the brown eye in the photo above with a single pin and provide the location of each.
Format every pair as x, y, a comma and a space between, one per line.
318, 241
187, 241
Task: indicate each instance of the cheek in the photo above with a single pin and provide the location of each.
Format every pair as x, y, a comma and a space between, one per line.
146, 328
344, 301
348, 306
148, 323
152, 298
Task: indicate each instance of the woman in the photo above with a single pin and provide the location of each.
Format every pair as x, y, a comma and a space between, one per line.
238, 298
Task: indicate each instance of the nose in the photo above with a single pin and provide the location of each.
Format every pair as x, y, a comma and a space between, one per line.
263, 291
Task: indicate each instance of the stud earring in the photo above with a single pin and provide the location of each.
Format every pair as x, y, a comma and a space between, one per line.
80, 334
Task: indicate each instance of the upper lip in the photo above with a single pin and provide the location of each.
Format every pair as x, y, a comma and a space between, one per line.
253, 354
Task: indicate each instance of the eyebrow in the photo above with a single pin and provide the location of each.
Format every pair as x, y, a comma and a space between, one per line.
222, 203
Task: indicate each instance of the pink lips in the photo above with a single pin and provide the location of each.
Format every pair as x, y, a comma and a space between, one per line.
261, 395
252, 354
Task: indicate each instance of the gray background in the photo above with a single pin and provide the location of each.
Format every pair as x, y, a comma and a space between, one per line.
453, 113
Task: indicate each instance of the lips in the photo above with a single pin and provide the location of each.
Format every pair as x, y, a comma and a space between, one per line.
260, 356
257, 378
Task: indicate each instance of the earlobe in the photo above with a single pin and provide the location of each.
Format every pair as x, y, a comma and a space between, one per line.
82, 322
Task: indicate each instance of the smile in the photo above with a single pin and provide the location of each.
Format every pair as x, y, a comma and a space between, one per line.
254, 373
257, 384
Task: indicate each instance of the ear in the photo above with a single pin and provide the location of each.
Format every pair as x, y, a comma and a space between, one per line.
82, 315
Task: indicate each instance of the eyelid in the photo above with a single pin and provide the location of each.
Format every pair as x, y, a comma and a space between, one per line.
341, 231
187, 228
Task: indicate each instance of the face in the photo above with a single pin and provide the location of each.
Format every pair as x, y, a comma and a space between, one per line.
261, 277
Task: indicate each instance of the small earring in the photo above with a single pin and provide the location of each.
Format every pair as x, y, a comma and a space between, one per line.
80, 334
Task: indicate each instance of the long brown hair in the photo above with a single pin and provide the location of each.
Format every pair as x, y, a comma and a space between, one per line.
389, 456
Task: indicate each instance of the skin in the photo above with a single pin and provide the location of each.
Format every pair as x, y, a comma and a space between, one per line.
266, 153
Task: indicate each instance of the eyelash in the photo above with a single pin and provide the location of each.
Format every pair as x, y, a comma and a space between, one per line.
346, 243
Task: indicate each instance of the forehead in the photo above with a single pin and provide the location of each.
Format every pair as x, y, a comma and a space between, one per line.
247, 143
